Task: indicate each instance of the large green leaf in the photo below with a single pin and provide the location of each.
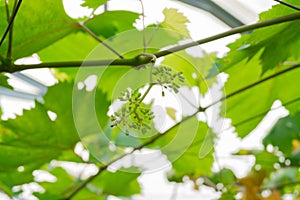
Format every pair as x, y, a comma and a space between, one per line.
33, 139
63, 186
284, 176
253, 95
228, 179
283, 133
33, 32
281, 40
120, 183
3, 81
73, 47
225, 176
68, 49
110, 23
189, 147
175, 21
79, 45
65, 111
23, 145
93, 3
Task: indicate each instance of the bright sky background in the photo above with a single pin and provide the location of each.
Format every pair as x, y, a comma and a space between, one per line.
202, 24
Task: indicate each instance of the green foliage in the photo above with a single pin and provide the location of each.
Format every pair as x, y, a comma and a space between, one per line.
113, 183
107, 184
53, 190
250, 61
93, 3
262, 42
246, 100
263, 66
228, 179
284, 132
176, 21
36, 142
33, 32
285, 176
3, 81
186, 149
109, 24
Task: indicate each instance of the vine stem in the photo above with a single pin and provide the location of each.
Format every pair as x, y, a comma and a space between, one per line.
134, 62
143, 21
14, 14
10, 36
7, 11
139, 60
141, 99
288, 5
147, 92
91, 33
233, 31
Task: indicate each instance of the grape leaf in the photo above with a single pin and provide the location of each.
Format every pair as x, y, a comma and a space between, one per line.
21, 137
228, 195
66, 115
36, 142
176, 21
185, 148
110, 23
225, 176
67, 49
57, 189
245, 100
287, 178
3, 81
35, 32
93, 3
263, 159
270, 40
266, 160
283, 133
228, 179
79, 45
119, 183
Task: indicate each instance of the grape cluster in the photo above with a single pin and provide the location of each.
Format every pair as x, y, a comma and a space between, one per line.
134, 114
167, 78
